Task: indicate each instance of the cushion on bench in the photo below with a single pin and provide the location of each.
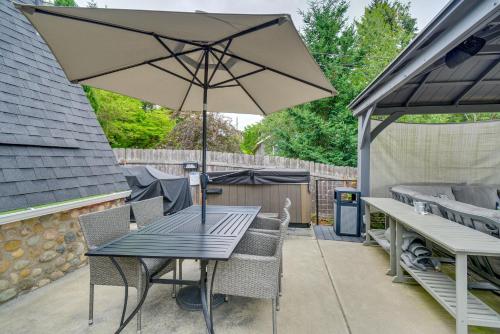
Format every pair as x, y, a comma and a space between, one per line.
484, 196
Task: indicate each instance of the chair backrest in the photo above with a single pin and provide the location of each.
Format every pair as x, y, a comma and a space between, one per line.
101, 227
286, 205
283, 228
147, 211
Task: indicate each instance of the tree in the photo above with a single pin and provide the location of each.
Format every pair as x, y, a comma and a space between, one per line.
222, 136
385, 28
127, 123
65, 3
252, 134
322, 131
351, 55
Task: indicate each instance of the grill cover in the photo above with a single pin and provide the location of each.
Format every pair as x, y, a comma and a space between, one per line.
147, 182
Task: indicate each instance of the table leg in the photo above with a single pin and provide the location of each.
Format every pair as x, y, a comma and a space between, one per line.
461, 293
368, 239
392, 240
204, 296
397, 260
124, 322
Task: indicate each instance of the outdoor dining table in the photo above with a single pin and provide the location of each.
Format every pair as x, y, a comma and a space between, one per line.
181, 236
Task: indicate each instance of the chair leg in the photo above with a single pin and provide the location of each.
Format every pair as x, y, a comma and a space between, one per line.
280, 289
281, 265
91, 305
275, 325
174, 290
139, 313
180, 273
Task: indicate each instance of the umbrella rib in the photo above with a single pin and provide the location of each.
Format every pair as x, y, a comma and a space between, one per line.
224, 86
172, 73
192, 81
239, 84
128, 67
277, 71
177, 58
238, 77
219, 61
116, 26
250, 30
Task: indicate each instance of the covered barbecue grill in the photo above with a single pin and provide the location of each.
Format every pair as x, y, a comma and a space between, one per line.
148, 182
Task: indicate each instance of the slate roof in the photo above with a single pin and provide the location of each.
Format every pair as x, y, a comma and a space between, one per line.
52, 147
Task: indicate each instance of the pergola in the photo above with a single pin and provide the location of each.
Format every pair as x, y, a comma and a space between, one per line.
452, 66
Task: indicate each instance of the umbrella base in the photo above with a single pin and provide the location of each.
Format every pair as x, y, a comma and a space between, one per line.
189, 299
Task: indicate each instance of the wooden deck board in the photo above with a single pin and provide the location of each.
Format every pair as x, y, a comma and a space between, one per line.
326, 232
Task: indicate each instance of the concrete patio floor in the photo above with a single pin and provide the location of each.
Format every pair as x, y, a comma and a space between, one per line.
329, 287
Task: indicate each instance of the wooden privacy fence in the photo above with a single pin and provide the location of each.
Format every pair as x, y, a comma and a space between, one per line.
171, 162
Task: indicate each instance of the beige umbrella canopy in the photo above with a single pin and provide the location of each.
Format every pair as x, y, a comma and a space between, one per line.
253, 64
153, 56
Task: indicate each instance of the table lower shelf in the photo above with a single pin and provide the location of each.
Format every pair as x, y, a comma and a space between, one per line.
379, 236
442, 288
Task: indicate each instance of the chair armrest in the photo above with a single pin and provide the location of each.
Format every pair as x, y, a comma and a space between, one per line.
259, 244
270, 232
266, 223
274, 215
246, 275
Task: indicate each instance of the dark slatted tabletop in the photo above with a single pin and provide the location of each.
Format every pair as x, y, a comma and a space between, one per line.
182, 235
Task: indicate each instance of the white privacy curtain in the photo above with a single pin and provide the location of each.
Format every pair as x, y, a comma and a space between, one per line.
410, 153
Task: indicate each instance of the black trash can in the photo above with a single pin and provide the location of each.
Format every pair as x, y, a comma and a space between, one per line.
347, 212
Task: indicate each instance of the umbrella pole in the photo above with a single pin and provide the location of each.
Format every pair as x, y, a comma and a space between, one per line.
204, 177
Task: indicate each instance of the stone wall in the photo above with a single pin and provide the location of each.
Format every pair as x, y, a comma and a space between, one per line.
37, 251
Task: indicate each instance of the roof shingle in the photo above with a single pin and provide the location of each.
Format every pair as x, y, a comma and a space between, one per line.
51, 145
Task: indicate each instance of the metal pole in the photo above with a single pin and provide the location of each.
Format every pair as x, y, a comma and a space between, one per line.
317, 203
204, 177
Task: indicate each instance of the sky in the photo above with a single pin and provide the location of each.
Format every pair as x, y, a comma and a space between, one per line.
423, 10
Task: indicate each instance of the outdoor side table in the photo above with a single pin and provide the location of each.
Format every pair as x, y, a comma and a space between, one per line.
182, 236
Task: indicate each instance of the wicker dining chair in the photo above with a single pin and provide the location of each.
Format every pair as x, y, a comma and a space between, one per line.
101, 227
147, 212
273, 226
276, 215
252, 271
264, 223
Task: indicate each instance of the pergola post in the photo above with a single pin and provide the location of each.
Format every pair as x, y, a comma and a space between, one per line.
364, 154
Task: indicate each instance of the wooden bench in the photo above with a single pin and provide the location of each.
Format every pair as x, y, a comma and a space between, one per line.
459, 240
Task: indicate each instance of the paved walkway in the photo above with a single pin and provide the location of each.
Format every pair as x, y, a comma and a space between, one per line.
329, 287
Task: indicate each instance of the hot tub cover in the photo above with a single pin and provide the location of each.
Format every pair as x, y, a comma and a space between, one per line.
260, 176
148, 182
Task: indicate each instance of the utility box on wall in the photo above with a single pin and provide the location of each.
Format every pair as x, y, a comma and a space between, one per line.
347, 212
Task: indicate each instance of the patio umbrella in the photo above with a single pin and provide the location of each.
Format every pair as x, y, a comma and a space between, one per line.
253, 64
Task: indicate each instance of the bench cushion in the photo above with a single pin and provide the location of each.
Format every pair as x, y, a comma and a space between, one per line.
484, 196
485, 220
429, 189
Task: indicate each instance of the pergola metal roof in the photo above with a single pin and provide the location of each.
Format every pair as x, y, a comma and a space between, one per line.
419, 82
